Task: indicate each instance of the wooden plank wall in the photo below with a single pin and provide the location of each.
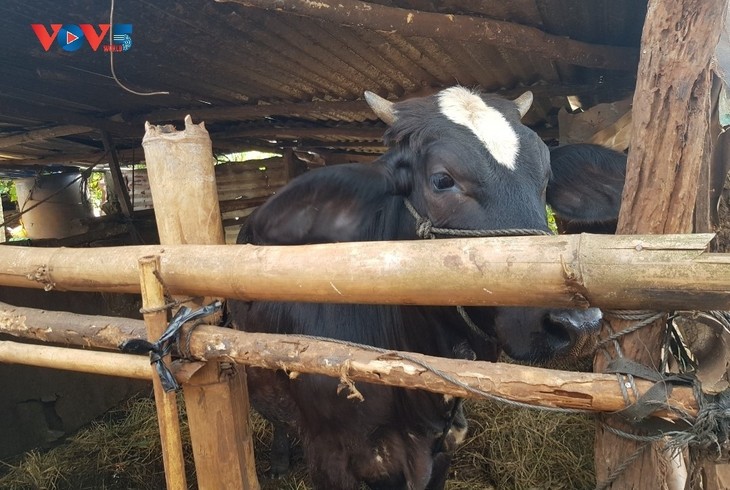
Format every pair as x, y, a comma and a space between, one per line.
242, 186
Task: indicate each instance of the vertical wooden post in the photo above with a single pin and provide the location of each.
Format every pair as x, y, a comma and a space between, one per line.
704, 215
115, 169
292, 165
167, 413
120, 189
184, 193
671, 110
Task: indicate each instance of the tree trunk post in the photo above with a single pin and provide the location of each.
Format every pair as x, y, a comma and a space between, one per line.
671, 112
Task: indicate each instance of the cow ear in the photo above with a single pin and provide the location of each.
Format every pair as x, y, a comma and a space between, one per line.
331, 204
586, 185
398, 168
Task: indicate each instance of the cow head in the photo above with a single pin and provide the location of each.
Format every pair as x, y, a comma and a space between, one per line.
466, 161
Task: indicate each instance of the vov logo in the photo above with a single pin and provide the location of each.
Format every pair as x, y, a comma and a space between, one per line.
71, 37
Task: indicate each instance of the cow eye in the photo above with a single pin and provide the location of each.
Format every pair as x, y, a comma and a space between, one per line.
442, 181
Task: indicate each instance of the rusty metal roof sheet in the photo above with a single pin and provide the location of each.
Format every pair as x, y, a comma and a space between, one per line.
267, 78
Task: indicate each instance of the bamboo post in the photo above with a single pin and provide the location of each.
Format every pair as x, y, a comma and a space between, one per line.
671, 109
167, 414
184, 193
182, 182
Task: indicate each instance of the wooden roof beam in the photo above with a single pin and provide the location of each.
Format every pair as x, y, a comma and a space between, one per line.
82, 159
307, 109
370, 134
44, 113
467, 29
233, 113
42, 134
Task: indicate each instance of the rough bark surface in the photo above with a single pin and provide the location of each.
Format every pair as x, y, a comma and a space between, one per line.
670, 122
292, 354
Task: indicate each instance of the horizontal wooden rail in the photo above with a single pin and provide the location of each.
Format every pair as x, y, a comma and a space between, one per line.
80, 361
535, 386
647, 272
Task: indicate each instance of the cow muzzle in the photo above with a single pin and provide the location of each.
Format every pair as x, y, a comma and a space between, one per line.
572, 333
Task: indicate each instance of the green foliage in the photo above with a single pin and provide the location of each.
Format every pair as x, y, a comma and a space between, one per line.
94, 185
551, 220
8, 187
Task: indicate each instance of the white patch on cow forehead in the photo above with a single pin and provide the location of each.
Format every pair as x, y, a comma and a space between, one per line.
464, 107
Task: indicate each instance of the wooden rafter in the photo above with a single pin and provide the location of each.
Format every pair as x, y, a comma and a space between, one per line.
304, 109
311, 143
370, 134
233, 113
120, 187
41, 134
42, 113
463, 28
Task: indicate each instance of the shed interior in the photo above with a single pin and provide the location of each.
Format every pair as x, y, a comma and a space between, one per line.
287, 77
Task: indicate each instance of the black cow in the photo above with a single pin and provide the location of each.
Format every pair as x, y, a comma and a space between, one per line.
585, 188
463, 160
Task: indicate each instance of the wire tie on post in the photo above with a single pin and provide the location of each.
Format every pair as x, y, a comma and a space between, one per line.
158, 350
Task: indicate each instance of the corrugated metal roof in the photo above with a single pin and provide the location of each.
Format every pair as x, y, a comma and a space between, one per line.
286, 75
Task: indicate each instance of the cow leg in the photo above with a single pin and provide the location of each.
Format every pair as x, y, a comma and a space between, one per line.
322, 480
280, 451
328, 465
440, 471
269, 393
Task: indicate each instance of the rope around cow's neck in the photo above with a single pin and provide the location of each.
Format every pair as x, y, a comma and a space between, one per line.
425, 228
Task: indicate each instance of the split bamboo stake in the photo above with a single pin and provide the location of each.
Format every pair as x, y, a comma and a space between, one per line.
658, 272
168, 417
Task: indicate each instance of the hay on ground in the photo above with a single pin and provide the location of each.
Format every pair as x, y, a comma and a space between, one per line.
508, 448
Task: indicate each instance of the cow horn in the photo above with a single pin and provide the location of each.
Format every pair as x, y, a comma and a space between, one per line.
381, 107
524, 102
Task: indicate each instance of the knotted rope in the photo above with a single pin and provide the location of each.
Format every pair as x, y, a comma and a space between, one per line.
706, 435
158, 350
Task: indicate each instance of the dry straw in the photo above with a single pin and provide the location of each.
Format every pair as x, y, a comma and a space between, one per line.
508, 448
